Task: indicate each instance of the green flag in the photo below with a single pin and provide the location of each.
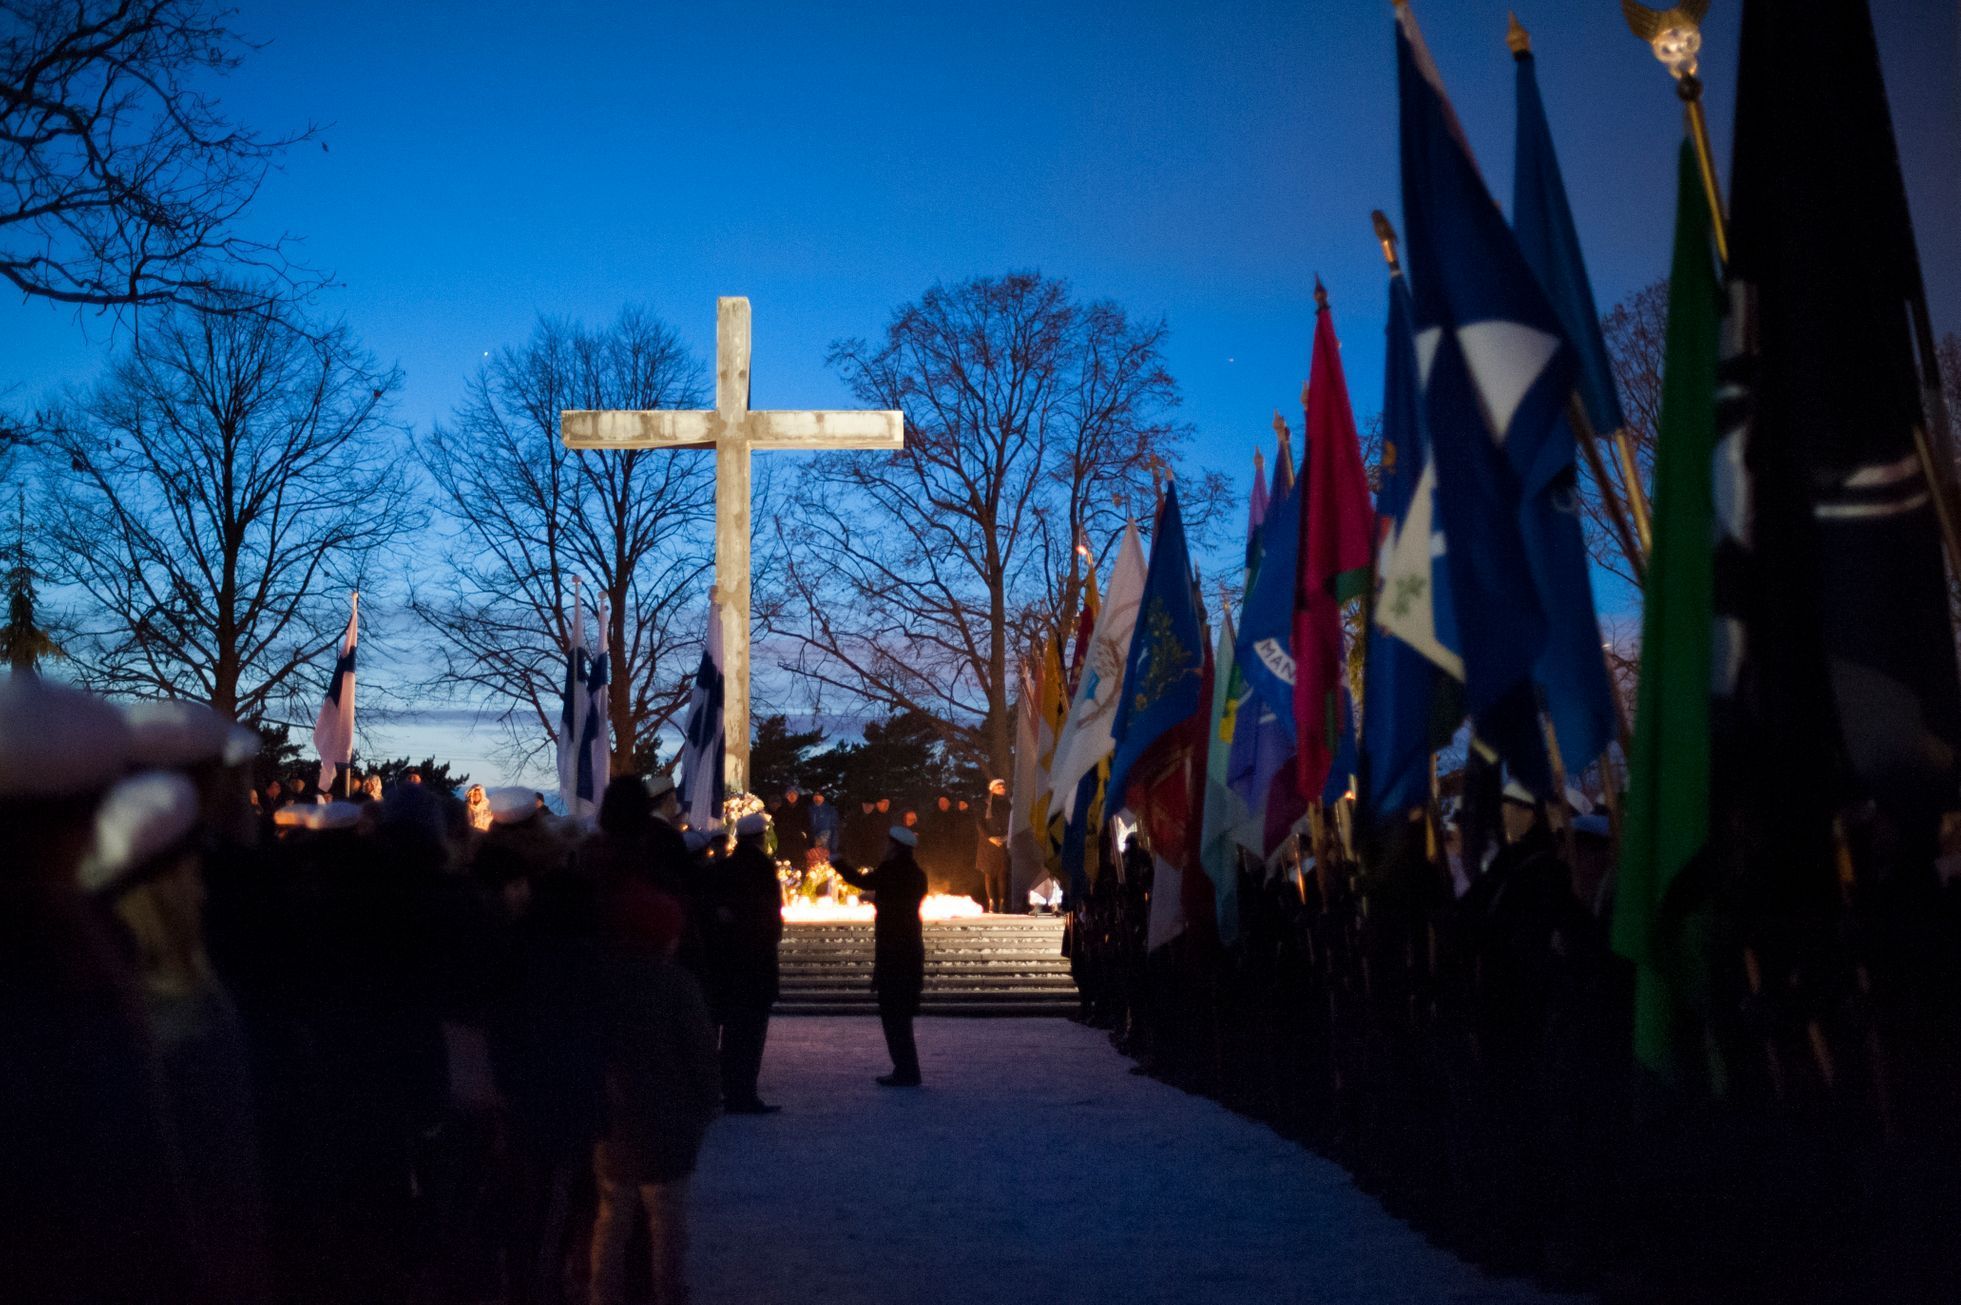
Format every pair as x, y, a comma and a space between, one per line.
1658, 926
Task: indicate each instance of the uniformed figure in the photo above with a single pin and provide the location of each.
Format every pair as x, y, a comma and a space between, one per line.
992, 852
897, 886
748, 917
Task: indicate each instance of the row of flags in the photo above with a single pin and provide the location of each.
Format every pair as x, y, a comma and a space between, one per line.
1798, 659
583, 748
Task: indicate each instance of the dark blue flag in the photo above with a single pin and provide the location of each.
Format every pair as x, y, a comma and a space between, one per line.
1263, 651
1163, 685
1496, 373
1571, 672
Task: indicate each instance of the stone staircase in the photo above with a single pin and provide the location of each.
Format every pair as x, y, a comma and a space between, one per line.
981, 965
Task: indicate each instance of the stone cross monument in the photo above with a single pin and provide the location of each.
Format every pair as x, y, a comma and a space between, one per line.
732, 430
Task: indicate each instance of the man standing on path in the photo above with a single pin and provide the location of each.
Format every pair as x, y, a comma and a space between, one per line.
993, 848
748, 926
897, 886
793, 829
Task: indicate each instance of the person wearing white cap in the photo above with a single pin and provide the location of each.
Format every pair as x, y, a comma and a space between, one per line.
93, 1208
671, 863
746, 931
145, 861
897, 886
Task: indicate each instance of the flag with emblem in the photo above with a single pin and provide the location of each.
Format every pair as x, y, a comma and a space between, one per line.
1833, 649
1087, 740
1411, 652
1157, 769
1336, 528
1496, 373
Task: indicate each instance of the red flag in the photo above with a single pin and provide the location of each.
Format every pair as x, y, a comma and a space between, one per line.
1336, 530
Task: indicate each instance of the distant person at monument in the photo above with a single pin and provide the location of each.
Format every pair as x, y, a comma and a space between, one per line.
793, 828
823, 828
747, 927
864, 834
897, 886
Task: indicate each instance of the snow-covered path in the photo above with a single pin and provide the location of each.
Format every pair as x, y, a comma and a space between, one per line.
1032, 1167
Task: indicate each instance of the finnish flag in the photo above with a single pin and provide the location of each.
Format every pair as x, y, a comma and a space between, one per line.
333, 728
704, 748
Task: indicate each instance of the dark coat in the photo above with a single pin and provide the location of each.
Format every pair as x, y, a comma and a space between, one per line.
793, 831
748, 925
897, 886
663, 1077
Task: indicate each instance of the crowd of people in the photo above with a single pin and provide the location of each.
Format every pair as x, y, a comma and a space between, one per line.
961, 843
415, 1046
1451, 1024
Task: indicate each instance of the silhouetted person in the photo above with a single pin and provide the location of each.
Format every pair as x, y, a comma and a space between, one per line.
742, 961
993, 850
660, 1092
898, 886
793, 828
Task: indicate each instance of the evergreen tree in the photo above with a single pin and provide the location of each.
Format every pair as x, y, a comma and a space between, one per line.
23, 644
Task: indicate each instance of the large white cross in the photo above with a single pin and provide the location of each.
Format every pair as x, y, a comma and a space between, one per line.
732, 430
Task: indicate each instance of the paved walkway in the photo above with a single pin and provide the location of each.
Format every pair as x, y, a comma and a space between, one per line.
1032, 1167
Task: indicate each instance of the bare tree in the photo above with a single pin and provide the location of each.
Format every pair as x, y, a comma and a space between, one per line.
1636, 331
526, 515
216, 499
121, 179
1033, 420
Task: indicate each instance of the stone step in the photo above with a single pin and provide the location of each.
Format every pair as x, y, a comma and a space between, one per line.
993, 965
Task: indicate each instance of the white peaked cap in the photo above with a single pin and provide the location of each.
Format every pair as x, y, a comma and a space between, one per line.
903, 836
140, 818
695, 839
1517, 792
56, 741
752, 824
334, 815
178, 732
660, 785
511, 804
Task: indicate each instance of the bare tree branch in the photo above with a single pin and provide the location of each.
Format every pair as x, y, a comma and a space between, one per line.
919, 577
217, 498
121, 179
526, 515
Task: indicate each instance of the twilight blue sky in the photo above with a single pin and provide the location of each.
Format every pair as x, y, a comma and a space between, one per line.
491, 160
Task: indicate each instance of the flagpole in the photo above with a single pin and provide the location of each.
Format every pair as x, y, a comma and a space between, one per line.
1676, 44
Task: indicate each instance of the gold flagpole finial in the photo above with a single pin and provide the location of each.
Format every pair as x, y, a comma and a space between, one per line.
1517, 37
1675, 35
1280, 428
1320, 295
1386, 236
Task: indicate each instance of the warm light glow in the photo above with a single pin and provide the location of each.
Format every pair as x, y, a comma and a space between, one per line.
827, 910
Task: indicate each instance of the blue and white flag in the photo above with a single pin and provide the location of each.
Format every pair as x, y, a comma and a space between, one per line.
1496, 373
333, 728
1413, 642
573, 707
704, 748
595, 754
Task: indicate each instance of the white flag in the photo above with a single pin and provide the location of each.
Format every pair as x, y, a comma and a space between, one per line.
1086, 734
704, 748
572, 708
333, 728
